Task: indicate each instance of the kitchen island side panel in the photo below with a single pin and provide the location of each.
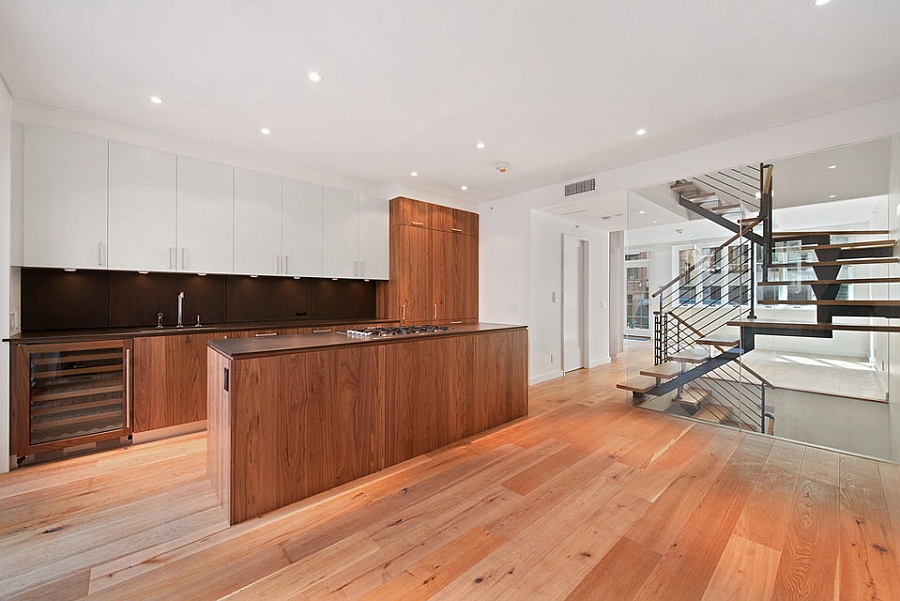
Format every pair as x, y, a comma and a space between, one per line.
218, 441
501, 378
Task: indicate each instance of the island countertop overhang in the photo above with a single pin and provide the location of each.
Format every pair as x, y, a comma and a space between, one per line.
244, 348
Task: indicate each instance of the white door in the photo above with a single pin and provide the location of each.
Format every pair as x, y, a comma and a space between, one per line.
205, 223
301, 228
573, 304
65, 215
341, 234
257, 223
374, 237
141, 208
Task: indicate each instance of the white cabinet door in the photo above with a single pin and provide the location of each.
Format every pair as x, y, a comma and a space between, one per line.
374, 237
205, 222
301, 228
141, 208
65, 199
341, 234
257, 223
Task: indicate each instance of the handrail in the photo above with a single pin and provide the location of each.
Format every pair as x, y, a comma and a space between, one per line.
756, 221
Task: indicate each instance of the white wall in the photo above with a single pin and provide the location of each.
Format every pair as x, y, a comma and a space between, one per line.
545, 323
5, 249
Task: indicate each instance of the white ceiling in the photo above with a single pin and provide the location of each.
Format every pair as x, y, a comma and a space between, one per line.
555, 88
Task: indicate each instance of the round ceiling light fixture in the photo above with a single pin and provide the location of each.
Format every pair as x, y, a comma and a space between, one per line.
640, 132
464, 188
414, 173
156, 100
265, 131
479, 145
821, 2
832, 166
316, 77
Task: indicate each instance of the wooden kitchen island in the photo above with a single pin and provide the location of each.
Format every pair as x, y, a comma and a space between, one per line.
292, 416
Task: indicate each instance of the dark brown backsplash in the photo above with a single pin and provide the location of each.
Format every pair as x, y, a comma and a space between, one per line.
53, 299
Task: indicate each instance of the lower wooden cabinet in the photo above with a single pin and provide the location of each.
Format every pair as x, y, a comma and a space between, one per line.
170, 380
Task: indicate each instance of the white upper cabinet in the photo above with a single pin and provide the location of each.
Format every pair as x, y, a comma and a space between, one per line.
374, 237
301, 228
341, 234
205, 216
65, 185
257, 223
141, 208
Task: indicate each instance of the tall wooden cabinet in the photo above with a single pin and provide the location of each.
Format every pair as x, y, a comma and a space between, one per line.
434, 264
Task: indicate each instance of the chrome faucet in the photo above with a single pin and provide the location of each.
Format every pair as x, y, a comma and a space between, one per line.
180, 323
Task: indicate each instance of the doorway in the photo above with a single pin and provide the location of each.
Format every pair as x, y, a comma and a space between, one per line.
574, 303
637, 294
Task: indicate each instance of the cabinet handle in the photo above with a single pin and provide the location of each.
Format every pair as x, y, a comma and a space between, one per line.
171, 257
456, 229
456, 322
355, 268
402, 312
264, 334
435, 311
183, 261
286, 268
101, 254
325, 331
363, 269
277, 263
128, 388
418, 223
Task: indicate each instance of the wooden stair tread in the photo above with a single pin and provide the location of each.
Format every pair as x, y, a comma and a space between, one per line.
867, 261
664, 371
746, 220
825, 282
690, 356
720, 339
830, 302
785, 235
723, 208
638, 384
693, 397
714, 413
699, 197
856, 245
775, 324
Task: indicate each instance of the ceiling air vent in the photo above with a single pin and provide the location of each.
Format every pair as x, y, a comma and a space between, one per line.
588, 185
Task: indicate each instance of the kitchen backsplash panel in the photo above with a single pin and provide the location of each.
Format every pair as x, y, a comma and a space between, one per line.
53, 299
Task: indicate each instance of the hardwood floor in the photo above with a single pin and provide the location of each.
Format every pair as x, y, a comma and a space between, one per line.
585, 499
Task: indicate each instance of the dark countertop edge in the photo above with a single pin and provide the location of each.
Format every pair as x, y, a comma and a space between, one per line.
115, 333
246, 348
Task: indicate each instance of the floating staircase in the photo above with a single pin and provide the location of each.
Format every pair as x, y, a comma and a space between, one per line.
706, 319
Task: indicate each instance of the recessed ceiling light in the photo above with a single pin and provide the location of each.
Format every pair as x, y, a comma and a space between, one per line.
480, 145
832, 196
640, 132
832, 166
655, 221
821, 2
414, 173
265, 131
156, 100
641, 212
464, 188
316, 77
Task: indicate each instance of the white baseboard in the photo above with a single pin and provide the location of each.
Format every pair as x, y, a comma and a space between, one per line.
599, 362
552, 375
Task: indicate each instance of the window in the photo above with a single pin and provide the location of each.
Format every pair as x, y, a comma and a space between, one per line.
637, 291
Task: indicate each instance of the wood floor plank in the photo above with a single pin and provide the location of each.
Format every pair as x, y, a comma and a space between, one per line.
746, 572
685, 570
809, 555
764, 519
868, 557
619, 575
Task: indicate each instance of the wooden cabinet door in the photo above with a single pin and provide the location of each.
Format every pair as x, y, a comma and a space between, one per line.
501, 378
150, 381
413, 246
374, 233
205, 216
301, 228
454, 276
468, 277
406, 211
65, 199
257, 223
430, 395
141, 208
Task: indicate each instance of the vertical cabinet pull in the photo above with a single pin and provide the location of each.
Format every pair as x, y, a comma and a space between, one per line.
402, 312
171, 257
435, 311
183, 261
128, 388
278, 264
355, 268
363, 269
286, 268
101, 254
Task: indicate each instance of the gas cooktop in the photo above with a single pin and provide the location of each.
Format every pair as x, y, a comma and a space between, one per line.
387, 332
